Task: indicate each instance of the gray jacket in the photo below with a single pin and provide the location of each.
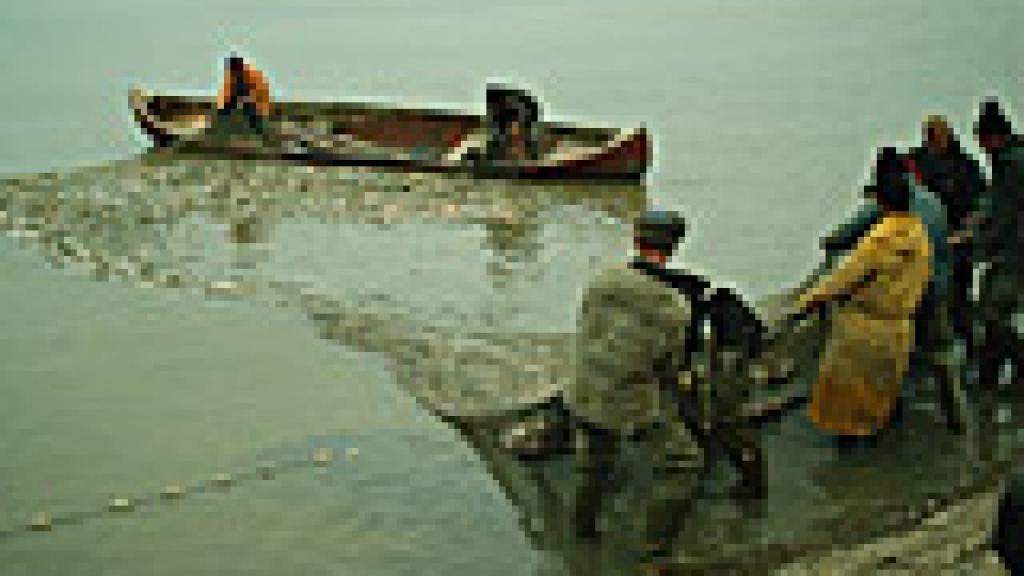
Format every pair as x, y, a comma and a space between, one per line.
631, 330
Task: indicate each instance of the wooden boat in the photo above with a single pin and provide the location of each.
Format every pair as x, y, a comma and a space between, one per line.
387, 137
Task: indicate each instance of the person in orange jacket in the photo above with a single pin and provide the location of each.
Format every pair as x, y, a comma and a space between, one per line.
246, 89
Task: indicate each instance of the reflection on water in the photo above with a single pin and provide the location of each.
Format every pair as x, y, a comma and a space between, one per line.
189, 224
456, 278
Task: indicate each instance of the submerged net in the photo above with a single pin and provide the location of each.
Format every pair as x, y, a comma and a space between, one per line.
294, 236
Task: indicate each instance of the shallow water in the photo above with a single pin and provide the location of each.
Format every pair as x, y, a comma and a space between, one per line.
163, 318
184, 312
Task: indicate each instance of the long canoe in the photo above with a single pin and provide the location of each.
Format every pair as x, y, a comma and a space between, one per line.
389, 137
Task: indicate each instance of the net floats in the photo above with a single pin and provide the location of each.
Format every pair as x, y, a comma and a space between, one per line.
323, 457
172, 492
121, 505
221, 480
41, 522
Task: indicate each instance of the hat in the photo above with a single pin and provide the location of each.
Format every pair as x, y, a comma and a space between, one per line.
890, 183
889, 164
992, 120
659, 228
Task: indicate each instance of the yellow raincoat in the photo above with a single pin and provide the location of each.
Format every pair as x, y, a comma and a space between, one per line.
877, 287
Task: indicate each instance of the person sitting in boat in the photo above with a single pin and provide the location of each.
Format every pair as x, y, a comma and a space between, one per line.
512, 116
510, 132
876, 289
246, 90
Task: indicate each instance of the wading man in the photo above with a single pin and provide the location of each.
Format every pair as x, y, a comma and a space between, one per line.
638, 327
630, 330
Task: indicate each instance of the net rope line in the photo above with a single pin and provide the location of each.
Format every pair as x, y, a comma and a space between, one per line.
220, 482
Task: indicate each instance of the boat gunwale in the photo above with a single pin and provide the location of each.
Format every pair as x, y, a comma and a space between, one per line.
622, 156
348, 108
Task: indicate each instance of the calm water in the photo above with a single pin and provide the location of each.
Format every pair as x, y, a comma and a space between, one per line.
197, 356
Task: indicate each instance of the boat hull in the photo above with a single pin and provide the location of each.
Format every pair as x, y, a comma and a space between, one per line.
391, 138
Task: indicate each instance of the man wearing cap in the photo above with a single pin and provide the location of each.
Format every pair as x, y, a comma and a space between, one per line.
637, 330
999, 241
630, 330
723, 335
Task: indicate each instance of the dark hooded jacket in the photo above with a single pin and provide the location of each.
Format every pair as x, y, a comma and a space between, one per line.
954, 176
1001, 234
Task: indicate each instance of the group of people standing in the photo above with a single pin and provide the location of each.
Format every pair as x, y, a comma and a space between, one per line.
897, 294
904, 281
896, 288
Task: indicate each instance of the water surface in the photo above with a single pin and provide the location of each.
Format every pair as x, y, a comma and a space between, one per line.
157, 323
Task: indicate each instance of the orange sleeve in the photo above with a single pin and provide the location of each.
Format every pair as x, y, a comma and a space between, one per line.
225, 91
259, 89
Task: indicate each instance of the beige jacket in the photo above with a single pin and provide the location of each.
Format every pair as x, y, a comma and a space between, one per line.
629, 326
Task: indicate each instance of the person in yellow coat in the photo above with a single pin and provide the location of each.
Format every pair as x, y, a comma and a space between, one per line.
875, 290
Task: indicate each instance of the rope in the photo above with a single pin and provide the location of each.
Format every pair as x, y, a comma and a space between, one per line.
220, 482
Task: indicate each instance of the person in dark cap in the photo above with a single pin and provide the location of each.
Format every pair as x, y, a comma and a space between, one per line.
723, 337
706, 402
999, 241
629, 351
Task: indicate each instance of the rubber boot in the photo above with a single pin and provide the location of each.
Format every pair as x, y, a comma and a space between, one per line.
1008, 535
